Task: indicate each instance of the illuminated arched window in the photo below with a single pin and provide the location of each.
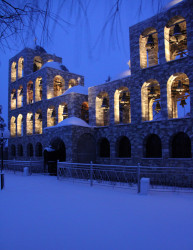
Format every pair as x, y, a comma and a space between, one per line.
20, 97
122, 110
62, 112
13, 99
38, 89
37, 63
13, 71
148, 44
51, 116
58, 85
72, 83
178, 96
150, 101
29, 123
175, 38
38, 122
20, 67
102, 109
30, 92
13, 126
85, 112
30, 151
20, 125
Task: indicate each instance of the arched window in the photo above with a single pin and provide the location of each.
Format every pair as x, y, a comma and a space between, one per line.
58, 85
62, 112
181, 146
13, 150
38, 89
30, 151
13, 71
38, 149
13, 126
178, 96
153, 147
37, 63
85, 112
122, 108
123, 147
29, 123
175, 38
30, 92
51, 116
20, 97
104, 148
13, 99
20, 67
60, 149
150, 101
102, 109
20, 150
20, 125
148, 44
38, 122
72, 83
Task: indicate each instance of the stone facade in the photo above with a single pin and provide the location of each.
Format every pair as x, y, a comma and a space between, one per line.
140, 132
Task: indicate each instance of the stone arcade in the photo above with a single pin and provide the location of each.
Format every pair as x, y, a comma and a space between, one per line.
144, 118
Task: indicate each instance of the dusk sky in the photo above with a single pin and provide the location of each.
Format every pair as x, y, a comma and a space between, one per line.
78, 48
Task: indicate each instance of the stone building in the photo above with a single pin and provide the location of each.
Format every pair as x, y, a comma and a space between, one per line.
144, 118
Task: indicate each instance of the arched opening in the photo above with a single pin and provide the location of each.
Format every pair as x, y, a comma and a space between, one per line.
13, 151
30, 151
122, 108
178, 96
29, 123
20, 150
85, 112
20, 97
38, 89
148, 45
86, 149
38, 122
13, 126
38, 149
72, 83
30, 92
13, 71
20, 125
13, 99
58, 85
37, 63
150, 101
181, 146
62, 112
153, 146
104, 148
20, 67
175, 38
102, 109
51, 116
123, 147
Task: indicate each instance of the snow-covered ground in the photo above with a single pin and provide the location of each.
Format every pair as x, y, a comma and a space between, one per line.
40, 212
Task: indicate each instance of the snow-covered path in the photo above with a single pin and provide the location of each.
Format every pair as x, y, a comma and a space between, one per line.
39, 212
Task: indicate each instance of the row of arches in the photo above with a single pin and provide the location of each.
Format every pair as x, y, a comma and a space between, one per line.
180, 147
19, 151
178, 101
35, 94
175, 38
16, 124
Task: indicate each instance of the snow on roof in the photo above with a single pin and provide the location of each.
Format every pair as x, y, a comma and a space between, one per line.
171, 4
71, 121
49, 149
77, 89
55, 65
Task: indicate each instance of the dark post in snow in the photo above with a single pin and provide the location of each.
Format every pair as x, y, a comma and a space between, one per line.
138, 178
91, 174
